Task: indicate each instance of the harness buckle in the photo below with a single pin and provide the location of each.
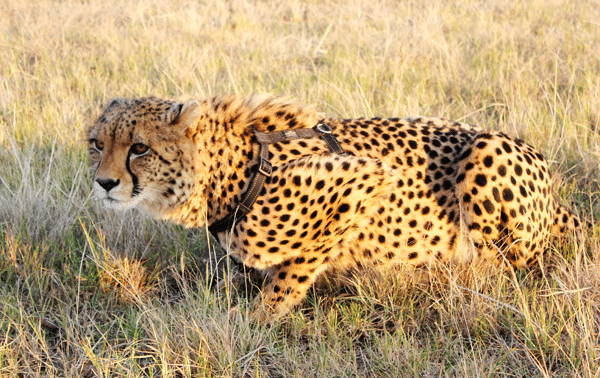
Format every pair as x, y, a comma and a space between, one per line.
265, 167
323, 128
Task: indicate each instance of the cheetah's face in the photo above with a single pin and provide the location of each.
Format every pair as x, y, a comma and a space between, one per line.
141, 154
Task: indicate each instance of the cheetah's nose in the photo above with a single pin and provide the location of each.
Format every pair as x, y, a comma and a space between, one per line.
107, 184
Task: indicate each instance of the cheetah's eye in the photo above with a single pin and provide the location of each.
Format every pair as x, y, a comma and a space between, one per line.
139, 149
96, 144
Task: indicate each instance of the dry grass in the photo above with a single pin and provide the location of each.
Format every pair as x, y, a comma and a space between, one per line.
86, 292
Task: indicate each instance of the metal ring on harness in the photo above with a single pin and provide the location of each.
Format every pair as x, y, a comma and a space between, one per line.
323, 128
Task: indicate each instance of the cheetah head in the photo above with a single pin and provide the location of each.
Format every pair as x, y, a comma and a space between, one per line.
142, 154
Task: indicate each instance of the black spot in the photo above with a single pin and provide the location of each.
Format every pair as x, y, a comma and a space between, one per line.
465, 154
488, 206
343, 208
488, 161
481, 180
518, 170
296, 180
502, 170
496, 194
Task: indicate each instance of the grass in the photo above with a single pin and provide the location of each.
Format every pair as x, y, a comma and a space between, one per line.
88, 292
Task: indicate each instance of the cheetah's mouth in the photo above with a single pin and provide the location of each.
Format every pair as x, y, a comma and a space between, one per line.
115, 204
111, 202
119, 204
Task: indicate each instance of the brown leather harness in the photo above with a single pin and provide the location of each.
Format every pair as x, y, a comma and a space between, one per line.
264, 169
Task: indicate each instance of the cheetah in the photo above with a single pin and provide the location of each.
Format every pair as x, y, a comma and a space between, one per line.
412, 191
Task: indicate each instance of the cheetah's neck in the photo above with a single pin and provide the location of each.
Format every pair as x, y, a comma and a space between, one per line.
223, 136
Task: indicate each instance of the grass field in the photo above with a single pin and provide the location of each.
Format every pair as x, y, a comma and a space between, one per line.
89, 292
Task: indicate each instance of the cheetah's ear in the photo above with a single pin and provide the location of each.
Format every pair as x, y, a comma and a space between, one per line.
182, 116
114, 102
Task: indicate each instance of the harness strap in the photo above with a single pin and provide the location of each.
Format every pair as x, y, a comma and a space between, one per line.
265, 168
321, 130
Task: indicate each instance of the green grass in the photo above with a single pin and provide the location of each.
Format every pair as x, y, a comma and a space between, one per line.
89, 292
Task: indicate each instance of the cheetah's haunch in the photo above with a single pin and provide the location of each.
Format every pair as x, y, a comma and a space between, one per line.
410, 191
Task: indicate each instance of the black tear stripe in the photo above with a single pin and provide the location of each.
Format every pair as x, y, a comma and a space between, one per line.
136, 188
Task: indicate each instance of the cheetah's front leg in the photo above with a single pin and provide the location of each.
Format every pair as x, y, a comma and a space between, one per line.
300, 226
289, 284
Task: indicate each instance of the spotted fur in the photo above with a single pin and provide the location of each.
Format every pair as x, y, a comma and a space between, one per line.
411, 191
